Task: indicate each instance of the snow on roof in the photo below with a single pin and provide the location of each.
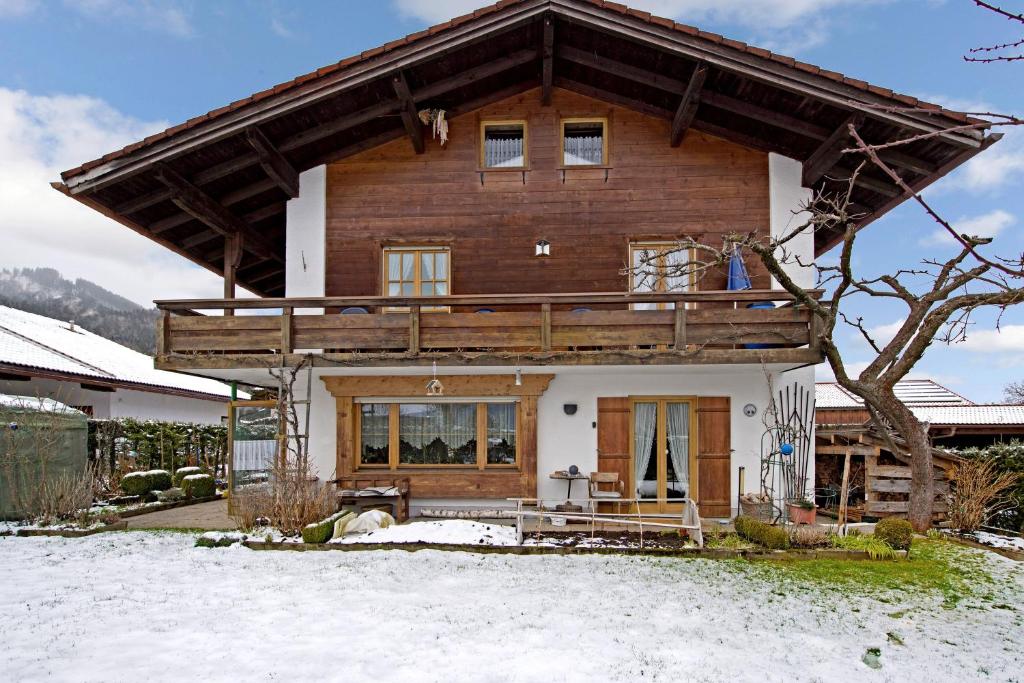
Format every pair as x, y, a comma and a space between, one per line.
35, 404
35, 341
995, 414
913, 392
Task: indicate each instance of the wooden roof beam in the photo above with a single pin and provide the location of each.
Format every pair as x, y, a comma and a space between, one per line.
547, 71
687, 109
829, 152
207, 210
273, 162
407, 109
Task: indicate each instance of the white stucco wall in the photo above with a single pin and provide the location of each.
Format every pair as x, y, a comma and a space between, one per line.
564, 440
123, 402
306, 237
786, 196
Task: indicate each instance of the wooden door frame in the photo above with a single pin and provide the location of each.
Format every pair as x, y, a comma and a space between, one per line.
662, 504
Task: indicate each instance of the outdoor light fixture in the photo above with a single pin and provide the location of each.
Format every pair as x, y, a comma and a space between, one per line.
569, 408
543, 248
434, 386
519, 377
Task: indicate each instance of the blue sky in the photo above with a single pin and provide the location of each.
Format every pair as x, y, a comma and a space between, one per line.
82, 77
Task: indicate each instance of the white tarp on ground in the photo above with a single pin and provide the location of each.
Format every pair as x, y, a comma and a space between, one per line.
444, 616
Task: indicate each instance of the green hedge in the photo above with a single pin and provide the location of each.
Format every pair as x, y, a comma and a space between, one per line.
198, 486
766, 535
321, 532
898, 533
183, 472
141, 483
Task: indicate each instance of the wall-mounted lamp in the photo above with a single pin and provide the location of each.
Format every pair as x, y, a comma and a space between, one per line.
519, 377
569, 408
543, 248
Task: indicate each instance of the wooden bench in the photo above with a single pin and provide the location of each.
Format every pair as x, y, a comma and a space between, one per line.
358, 492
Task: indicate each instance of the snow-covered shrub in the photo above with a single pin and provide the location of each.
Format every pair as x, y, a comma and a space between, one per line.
770, 537
183, 472
322, 531
136, 484
219, 539
170, 495
896, 532
159, 480
198, 486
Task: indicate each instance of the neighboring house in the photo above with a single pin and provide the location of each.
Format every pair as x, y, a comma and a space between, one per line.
880, 478
953, 421
581, 137
49, 358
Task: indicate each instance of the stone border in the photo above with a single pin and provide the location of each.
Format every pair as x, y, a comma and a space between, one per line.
160, 507
71, 533
705, 553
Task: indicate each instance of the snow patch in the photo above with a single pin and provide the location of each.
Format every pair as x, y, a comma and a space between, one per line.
449, 531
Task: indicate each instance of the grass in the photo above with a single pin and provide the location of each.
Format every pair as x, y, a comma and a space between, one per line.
936, 566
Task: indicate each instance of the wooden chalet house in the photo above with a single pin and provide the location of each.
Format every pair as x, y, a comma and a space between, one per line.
581, 135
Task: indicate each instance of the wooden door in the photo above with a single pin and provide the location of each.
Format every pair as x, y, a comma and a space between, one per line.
613, 417
714, 457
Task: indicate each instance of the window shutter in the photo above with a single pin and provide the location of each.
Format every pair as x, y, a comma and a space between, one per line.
714, 457
613, 439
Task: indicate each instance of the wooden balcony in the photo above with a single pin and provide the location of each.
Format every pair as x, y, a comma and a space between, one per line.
700, 327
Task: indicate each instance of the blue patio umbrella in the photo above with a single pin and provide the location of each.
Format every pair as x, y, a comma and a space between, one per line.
738, 277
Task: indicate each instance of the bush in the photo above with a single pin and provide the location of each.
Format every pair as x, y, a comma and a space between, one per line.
808, 537
979, 490
198, 486
321, 532
896, 532
770, 537
183, 472
159, 480
136, 484
291, 500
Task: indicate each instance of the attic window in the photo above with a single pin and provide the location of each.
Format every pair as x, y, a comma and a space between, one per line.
503, 144
584, 142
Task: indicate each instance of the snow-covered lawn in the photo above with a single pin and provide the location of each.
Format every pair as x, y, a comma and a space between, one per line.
150, 606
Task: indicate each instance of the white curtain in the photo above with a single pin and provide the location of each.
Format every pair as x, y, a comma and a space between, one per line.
679, 443
645, 427
249, 456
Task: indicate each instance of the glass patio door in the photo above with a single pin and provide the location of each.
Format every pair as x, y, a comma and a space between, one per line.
254, 433
663, 453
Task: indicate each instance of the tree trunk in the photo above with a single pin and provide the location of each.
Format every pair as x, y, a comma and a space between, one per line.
922, 477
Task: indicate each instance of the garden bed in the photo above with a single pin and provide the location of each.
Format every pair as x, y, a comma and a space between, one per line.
147, 508
69, 532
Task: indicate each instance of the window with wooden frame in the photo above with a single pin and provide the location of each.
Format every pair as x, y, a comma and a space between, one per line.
396, 434
584, 142
655, 267
503, 145
417, 271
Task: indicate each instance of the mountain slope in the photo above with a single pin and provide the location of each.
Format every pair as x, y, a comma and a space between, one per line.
45, 291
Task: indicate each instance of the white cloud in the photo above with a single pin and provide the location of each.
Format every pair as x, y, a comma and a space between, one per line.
1006, 339
16, 8
39, 137
986, 225
823, 372
759, 15
166, 16
992, 169
279, 28
883, 334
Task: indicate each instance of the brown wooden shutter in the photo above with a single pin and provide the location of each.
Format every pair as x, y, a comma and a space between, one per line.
613, 438
714, 457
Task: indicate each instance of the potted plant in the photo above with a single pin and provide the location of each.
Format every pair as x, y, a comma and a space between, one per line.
801, 511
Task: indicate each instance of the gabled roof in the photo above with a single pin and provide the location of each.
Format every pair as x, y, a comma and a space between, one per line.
232, 169
912, 392
34, 342
976, 415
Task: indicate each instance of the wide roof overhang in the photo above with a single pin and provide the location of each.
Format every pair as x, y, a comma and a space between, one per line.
231, 171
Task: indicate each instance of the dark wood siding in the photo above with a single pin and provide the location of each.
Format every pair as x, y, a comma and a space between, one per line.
389, 195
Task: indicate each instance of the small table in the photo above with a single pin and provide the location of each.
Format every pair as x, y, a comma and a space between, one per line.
570, 478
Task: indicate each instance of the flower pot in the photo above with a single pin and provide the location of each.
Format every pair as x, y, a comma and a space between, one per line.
799, 515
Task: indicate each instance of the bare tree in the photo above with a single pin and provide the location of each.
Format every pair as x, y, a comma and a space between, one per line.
1011, 51
1014, 393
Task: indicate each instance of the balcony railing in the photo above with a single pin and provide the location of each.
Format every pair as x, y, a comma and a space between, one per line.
593, 328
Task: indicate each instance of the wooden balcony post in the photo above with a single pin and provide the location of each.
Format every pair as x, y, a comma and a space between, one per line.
414, 329
286, 329
163, 333
680, 336
545, 327
232, 259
